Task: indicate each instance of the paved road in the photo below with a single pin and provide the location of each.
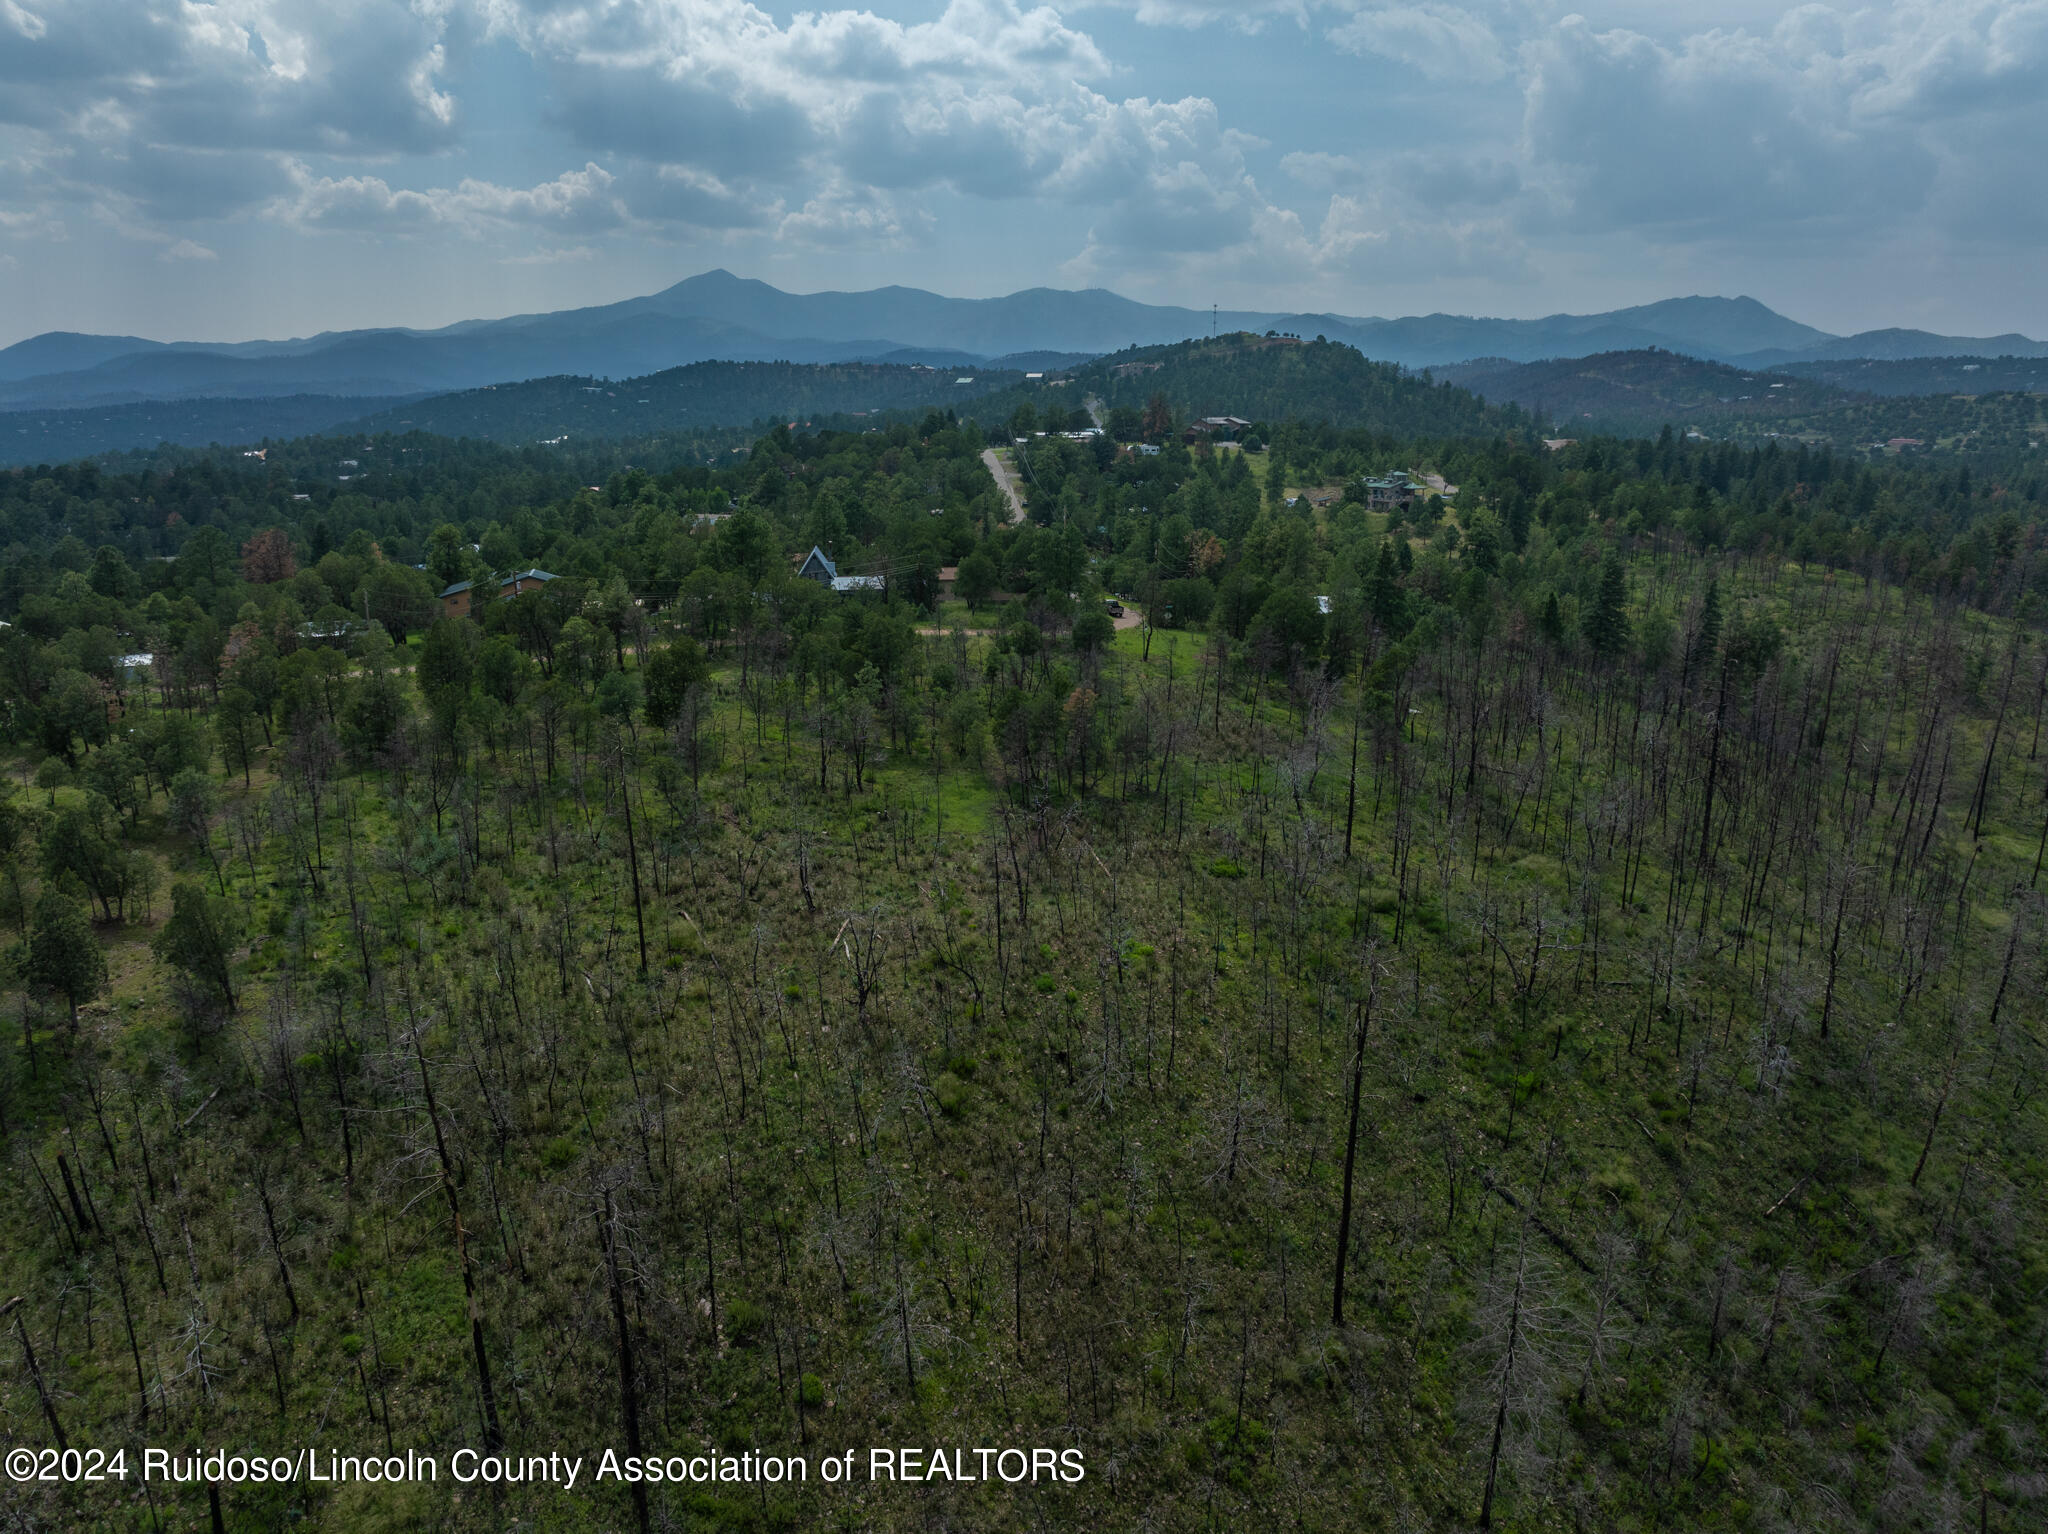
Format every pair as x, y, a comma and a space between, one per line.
1007, 480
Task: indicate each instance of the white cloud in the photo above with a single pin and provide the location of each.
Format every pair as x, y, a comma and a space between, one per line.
1444, 42
22, 20
551, 257
844, 216
344, 76
853, 115
1832, 123
846, 129
187, 250
580, 200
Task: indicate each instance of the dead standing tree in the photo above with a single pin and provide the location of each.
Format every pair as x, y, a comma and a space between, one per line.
1366, 1006
865, 942
494, 1437
1518, 1318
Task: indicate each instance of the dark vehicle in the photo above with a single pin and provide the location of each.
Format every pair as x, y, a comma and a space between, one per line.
1113, 607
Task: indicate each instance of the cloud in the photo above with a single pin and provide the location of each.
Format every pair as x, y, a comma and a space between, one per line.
187, 250
849, 129
328, 76
1831, 125
1251, 16
22, 20
1378, 239
846, 216
1441, 41
1424, 177
550, 257
848, 116
580, 200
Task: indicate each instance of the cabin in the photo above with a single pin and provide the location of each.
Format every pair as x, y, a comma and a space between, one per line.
458, 600
815, 566
525, 581
948, 576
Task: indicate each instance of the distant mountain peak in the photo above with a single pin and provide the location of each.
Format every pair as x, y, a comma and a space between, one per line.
718, 315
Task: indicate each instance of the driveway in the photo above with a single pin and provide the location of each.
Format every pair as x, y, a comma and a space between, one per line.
1006, 478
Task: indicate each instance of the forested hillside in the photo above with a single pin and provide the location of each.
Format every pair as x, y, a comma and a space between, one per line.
1993, 417
55, 436
1928, 375
1257, 378
1522, 1010
1637, 392
704, 394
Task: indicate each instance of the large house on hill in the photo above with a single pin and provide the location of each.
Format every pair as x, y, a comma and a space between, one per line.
456, 599
818, 566
1385, 490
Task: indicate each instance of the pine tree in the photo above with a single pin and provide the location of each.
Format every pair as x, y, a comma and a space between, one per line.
1515, 514
1606, 623
200, 939
63, 954
1385, 595
1706, 638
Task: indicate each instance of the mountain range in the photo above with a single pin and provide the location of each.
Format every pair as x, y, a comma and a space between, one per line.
718, 316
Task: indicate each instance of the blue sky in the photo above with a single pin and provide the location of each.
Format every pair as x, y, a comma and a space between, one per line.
275, 167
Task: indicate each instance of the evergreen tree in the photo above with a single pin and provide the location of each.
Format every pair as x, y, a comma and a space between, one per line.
447, 661
1386, 596
668, 676
200, 939
1515, 512
1551, 620
1706, 638
447, 555
63, 954
1606, 622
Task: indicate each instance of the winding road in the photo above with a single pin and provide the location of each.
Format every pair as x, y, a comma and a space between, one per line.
1006, 479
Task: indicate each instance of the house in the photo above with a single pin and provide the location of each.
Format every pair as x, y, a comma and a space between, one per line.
458, 600
948, 576
135, 662
525, 581
816, 567
1389, 490
1146, 449
1559, 444
845, 584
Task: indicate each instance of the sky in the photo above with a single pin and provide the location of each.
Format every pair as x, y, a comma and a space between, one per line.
270, 168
